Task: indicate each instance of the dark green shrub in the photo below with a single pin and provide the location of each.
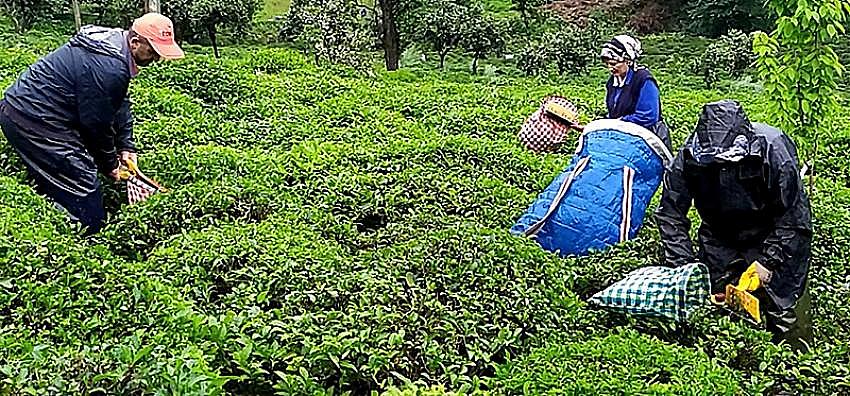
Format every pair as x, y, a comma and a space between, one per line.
716, 17
726, 58
566, 50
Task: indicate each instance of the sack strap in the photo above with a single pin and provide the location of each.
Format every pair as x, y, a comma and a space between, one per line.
562, 191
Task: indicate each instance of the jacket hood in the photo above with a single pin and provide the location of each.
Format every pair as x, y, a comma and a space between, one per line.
723, 134
101, 40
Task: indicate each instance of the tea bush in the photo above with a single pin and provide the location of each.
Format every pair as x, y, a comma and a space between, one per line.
629, 363
330, 234
726, 58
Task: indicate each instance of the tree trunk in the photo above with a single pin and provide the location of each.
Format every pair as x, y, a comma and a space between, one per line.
19, 19
389, 34
75, 4
211, 32
152, 6
443, 59
475, 65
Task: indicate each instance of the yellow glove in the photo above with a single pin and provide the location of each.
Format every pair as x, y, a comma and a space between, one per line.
750, 279
128, 169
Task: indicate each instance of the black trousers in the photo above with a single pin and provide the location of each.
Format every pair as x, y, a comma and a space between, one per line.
85, 209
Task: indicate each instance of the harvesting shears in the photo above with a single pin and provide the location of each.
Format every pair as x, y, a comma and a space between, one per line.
139, 186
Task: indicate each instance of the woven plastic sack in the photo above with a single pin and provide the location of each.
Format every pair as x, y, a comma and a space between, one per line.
543, 132
139, 186
671, 293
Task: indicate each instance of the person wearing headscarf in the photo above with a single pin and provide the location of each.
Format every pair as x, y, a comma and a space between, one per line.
744, 180
632, 92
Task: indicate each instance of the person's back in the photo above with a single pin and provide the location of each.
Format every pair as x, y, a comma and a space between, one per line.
52, 91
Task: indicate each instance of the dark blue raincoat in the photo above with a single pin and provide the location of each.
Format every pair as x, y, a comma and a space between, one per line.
68, 115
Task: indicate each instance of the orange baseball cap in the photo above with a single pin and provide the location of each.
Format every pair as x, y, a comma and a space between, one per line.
159, 31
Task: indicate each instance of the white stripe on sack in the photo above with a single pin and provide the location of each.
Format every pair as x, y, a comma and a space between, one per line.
580, 165
628, 186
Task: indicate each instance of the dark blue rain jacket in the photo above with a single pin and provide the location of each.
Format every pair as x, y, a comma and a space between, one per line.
73, 110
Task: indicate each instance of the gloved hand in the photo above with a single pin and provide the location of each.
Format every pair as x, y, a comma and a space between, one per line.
115, 174
754, 277
764, 274
128, 156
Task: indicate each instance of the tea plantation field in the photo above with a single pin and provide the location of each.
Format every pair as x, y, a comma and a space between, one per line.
327, 233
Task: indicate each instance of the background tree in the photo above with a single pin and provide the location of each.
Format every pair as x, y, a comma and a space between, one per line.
566, 49
118, 13
527, 9
390, 12
799, 67
482, 36
24, 13
333, 30
728, 57
717, 17
442, 26
211, 15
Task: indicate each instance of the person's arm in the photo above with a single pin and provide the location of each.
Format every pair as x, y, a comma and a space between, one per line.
100, 94
123, 126
672, 216
793, 229
646, 109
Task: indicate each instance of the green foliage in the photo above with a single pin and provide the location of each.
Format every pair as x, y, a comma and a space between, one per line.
327, 233
425, 391
799, 67
629, 362
726, 58
569, 49
24, 13
117, 13
483, 37
274, 8
194, 19
528, 9
444, 24
716, 17
214, 14
332, 31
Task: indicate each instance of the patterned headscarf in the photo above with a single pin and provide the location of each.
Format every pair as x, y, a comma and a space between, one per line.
622, 48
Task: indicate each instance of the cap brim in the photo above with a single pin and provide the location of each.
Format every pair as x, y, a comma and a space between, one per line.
168, 52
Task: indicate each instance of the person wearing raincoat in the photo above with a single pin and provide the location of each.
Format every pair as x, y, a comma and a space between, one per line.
632, 92
745, 182
68, 115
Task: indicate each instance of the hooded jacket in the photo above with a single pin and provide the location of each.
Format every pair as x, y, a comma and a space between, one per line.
744, 180
73, 103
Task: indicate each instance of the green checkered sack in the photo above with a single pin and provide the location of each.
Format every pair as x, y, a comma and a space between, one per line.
671, 293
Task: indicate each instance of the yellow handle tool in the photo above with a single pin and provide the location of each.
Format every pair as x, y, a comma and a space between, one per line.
749, 279
738, 296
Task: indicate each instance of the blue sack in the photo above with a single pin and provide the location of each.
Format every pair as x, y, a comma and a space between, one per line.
602, 196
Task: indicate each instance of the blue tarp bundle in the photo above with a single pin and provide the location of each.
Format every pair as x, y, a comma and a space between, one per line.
602, 196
